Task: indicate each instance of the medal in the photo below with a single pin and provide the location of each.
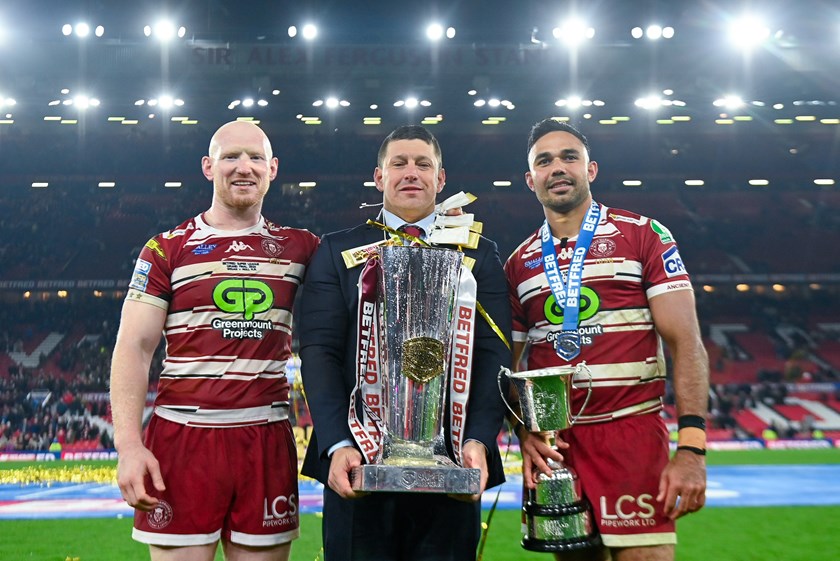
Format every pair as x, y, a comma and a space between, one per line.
567, 345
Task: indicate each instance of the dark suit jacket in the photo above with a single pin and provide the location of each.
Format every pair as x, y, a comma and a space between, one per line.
327, 332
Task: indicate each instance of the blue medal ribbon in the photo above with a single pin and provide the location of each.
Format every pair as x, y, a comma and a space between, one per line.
567, 344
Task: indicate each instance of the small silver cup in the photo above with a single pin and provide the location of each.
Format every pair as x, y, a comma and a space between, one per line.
558, 515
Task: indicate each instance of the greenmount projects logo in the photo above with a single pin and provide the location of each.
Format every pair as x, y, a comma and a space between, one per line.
247, 297
590, 303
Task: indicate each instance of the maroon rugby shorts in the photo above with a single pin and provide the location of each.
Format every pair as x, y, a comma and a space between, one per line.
619, 464
239, 484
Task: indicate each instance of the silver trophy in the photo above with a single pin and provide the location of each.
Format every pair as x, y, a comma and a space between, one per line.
417, 295
558, 516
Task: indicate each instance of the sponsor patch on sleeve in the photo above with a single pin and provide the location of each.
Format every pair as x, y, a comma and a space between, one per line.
672, 262
140, 276
664, 233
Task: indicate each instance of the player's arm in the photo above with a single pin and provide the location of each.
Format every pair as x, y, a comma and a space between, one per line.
684, 478
138, 337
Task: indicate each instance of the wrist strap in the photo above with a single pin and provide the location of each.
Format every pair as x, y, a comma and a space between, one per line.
693, 450
695, 421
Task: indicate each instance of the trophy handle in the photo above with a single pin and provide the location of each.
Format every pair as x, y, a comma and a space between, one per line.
505, 371
579, 367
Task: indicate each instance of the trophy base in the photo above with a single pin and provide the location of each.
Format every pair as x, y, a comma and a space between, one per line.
416, 479
558, 546
559, 528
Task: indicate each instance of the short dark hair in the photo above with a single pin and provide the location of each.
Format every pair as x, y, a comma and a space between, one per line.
546, 126
409, 132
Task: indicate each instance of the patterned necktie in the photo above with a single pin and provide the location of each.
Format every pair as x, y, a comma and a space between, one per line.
412, 230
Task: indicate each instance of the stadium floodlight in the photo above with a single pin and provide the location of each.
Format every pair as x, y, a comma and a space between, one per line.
748, 32
450, 32
331, 102
654, 32
729, 102
571, 102
309, 31
573, 32
434, 32
650, 102
293, 30
99, 31
84, 102
164, 30
81, 29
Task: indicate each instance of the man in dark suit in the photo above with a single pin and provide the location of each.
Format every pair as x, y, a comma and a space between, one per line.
382, 525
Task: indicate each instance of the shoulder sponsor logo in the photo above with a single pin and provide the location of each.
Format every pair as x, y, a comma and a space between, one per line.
663, 232
672, 262
271, 247
140, 276
154, 246
204, 249
602, 247
237, 246
533, 263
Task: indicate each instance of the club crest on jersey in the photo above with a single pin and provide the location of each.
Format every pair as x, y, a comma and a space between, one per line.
237, 246
272, 248
673, 263
204, 249
602, 247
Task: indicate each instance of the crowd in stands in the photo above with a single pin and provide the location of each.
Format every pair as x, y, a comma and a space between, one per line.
91, 233
63, 398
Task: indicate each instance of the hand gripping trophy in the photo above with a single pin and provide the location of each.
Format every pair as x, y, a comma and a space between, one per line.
558, 517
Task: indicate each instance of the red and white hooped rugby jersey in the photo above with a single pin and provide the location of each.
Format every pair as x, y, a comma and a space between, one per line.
631, 260
229, 297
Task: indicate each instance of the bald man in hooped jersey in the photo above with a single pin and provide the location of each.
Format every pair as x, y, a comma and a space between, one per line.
606, 286
218, 461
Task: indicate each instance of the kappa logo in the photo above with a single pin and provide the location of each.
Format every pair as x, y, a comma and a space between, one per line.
237, 246
566, 253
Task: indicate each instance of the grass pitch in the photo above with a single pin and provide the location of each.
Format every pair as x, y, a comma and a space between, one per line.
718, 534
